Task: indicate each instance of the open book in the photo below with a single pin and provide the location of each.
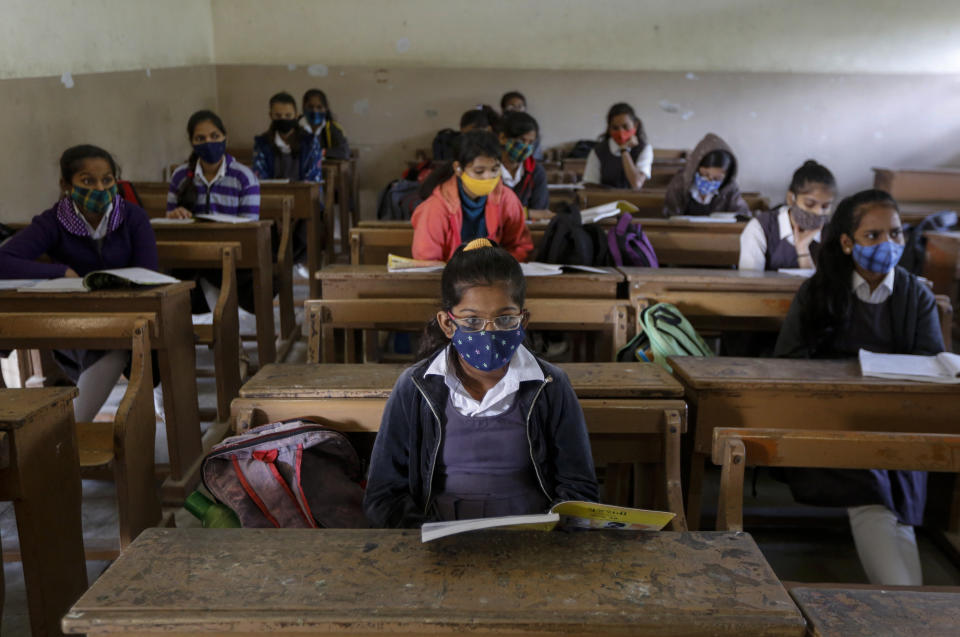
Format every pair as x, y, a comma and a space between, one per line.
942, 368
406, 264
610, 209
114, 279
713, 217
536, 268
222, 218
572, 513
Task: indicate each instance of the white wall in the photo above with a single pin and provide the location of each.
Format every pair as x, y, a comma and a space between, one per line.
40, 38
801, 36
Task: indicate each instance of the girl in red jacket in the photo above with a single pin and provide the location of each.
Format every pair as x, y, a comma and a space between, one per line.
465, 200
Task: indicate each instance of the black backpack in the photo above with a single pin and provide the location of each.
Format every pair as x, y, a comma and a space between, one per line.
915, 251
569, 241
399, 199
581, 149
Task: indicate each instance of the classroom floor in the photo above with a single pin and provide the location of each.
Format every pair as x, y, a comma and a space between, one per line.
819, 548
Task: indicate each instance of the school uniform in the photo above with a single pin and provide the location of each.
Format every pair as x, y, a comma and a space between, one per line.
441, 225
682, 197
234, 190
898, 317
767, 242
427, 464
605, 164
273, 158
529, 184
331, 138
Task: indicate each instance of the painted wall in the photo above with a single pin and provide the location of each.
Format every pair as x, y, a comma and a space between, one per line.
773, 120
812, 36
140, 117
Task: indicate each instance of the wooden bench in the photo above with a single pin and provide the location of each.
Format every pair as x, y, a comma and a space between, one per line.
614, 319
650, 201
124, 447
385, 581
632, 412
905, 185
829, 395
223, 335
942, 267
39, 472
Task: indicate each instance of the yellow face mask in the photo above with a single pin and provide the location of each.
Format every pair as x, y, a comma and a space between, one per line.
478, 187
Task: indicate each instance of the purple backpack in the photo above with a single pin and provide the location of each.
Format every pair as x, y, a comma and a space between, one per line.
292, 474
629, 245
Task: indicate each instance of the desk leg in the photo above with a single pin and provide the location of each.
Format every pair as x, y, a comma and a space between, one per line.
263, 306
315, 250
328, 216
178, 373
695, 491
671, 462
49, 522
345, 205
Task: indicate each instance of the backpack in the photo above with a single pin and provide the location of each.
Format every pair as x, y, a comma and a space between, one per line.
629, 245
567, 240
664, 332
292, 474
443, 144
915, 252
128, 192
581, 149
399, 199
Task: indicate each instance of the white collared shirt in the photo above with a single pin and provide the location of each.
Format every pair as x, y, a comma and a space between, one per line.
591, 171
101, 230
221, 171
704, 199
753, 240
522, 367
511, 180
883, 291
282, 145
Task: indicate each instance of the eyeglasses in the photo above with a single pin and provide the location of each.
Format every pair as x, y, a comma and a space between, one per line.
478, 324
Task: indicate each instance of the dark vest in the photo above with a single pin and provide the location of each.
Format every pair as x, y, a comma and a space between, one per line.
780, 252
611, 166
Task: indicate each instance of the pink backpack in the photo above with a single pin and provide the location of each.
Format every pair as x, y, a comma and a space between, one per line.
292, 474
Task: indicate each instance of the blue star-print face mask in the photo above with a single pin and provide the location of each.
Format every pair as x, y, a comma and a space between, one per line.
487, 350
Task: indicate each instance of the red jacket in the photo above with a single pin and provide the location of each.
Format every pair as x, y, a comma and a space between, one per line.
438, 220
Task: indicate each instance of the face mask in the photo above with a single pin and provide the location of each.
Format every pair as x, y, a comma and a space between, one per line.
879, 258
316, 118
283, 126
210, 152
94, 201
806, 220
517, 150
623, 136
485, 350
706, 186
478, 187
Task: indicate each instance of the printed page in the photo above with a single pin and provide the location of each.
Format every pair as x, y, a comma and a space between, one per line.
564, 186
703, 219
593, 515
905, 367
585, 268
164, 221
221, 218
64, 284
535, 522
18, 284
801, 272
535, 268
140, 276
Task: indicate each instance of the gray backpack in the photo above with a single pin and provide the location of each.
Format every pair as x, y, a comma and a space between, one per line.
292, 474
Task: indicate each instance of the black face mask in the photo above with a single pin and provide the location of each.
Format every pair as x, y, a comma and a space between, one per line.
283, 126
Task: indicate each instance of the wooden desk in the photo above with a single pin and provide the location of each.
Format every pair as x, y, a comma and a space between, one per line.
838, 612
176, 355
913, 212
650, 201
943, 267
373, 281
940, 184
802, 394
255, 255
40, 472
717, 299
378, 581
307, 207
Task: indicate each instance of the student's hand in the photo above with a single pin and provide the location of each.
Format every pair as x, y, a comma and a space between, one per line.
631, 143
802, 240
179, 213
70, 274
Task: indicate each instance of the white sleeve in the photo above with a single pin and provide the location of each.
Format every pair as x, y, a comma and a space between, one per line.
591, 172
753, 247
645, 160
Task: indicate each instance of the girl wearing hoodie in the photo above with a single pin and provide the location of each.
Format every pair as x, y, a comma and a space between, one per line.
707, 183
466, 200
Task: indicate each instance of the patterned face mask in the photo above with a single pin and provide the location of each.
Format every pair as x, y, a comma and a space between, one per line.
879, 258
706, 186
807, 220
94, 201
517, 150
486, 350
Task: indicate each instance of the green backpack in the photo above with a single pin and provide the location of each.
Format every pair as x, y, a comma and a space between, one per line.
663, 332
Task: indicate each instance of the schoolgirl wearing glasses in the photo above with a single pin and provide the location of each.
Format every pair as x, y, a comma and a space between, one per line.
479, 427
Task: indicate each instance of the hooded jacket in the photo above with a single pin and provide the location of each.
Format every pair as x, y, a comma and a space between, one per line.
438, 220
728, 199
403, 464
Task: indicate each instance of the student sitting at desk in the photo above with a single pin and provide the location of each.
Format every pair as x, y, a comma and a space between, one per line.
89, 228
319, 122
784, 237
520, 171
465, 200
515, 102
707, 183
858, 298
480, 427
285, 151
481, 118
622, 158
